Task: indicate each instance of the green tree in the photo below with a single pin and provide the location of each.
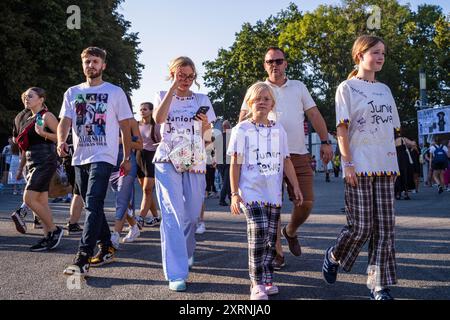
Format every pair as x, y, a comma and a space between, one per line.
37, 49
318, 46
237, 68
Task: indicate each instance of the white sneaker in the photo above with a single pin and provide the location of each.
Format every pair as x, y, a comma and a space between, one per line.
115, 240
132, 235
201, 228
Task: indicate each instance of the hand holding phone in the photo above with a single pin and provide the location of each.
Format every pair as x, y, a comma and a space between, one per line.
39, 120
202, 110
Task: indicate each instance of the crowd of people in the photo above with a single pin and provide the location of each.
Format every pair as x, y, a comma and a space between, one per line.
171, 151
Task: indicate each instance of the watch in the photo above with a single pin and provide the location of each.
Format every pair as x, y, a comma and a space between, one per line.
325, 142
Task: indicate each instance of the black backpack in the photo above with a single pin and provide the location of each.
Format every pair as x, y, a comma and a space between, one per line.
440, 156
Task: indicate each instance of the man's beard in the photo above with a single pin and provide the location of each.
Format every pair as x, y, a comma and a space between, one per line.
94, 75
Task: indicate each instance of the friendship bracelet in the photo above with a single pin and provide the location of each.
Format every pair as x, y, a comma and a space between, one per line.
347, 164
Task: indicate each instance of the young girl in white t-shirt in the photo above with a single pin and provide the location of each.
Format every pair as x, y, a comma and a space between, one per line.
259, 156
366, 117
180, 167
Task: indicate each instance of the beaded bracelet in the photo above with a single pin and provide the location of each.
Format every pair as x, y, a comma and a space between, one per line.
347, 164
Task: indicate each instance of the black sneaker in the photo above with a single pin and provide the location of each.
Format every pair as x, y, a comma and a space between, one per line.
18, 218
104, 255
42, 245
153, 221
73, 228
440, 190
37, 223
383, 294
329, 269
278, 262
54, 238
80, 265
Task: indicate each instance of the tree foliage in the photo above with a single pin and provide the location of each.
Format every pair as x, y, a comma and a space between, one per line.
38, 49
318, 47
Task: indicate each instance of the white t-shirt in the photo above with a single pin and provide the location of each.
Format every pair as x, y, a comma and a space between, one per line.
371, 113
180, 123
434, 147
292, 100
95, 113
263, 150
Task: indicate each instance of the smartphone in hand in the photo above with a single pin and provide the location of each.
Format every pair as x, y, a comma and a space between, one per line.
39, 120
202, 110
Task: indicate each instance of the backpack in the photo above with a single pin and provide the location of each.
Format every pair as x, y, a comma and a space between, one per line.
439, 156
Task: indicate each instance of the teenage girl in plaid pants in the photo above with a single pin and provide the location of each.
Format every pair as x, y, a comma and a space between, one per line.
366, 118
259, 156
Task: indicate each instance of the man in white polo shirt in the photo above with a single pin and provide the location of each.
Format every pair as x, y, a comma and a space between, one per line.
293, 101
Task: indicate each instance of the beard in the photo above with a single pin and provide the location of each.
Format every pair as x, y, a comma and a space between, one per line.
91, 74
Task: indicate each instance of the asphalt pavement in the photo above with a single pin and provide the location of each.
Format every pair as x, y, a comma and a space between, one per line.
220, 271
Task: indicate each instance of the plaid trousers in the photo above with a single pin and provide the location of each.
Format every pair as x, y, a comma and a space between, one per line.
370, 216
262, 223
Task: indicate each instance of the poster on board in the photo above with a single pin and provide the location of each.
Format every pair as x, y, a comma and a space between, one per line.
434, 121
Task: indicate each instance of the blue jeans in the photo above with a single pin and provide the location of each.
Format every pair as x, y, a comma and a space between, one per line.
123, 186
92, 180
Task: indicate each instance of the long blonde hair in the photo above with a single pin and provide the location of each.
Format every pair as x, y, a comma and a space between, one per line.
182, 62
360, 46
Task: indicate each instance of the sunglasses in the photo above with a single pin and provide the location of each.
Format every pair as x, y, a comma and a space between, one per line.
278, 62
183, 77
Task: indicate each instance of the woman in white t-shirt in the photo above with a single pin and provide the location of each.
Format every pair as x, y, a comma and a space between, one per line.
180, 167
439, 162
366, 117
259, 157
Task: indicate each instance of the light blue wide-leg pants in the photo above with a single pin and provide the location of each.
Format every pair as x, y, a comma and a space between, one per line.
180, 198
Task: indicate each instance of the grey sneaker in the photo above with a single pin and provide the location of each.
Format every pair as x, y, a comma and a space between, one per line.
18, 218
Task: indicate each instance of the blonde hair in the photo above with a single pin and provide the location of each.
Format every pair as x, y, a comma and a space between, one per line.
182, 62
255, 90
360, 46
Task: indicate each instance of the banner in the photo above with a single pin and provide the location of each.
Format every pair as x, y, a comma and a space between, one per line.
434, 121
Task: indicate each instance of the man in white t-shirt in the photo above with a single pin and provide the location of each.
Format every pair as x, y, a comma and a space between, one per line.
293, 101
95, 152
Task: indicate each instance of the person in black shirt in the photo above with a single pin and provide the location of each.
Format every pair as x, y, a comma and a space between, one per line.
35, 132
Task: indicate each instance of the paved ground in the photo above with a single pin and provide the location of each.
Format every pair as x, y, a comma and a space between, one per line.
220, 271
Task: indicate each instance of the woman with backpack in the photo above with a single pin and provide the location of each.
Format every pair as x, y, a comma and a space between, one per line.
439, 162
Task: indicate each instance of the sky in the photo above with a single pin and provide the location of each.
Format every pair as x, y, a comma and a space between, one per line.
198, 29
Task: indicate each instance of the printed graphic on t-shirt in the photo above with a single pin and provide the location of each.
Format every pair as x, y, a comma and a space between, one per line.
91, 109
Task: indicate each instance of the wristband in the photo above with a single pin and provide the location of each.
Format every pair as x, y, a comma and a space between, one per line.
234, 194
347, 164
